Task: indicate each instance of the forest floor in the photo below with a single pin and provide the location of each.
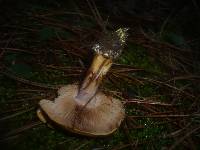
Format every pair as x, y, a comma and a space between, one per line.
45, 45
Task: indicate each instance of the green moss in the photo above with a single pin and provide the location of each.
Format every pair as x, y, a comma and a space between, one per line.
137, 56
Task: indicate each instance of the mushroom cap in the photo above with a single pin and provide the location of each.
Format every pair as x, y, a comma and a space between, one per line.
101, 116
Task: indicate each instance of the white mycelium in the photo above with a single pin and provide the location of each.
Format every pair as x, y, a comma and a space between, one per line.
112, 44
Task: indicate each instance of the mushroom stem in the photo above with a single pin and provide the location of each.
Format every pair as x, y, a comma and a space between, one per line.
98, 69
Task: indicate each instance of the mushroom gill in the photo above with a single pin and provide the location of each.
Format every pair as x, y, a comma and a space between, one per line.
85, 109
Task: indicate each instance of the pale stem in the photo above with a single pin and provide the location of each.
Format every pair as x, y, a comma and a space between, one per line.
98, 69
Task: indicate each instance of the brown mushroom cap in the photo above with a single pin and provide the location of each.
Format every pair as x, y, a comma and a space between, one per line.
101, 116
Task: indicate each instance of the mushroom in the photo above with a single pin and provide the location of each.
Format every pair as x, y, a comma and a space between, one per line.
85, 109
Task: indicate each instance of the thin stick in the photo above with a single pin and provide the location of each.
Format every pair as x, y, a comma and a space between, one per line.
22, 129
146, 102
25, 81
166, 116
183, 138
16, 114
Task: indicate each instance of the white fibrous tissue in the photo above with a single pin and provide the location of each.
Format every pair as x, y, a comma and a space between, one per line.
111, 45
